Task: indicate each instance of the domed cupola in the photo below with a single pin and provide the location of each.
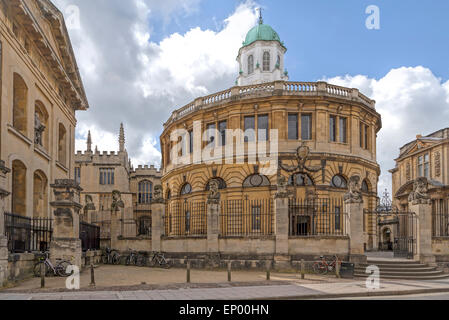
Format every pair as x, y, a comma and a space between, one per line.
261, 58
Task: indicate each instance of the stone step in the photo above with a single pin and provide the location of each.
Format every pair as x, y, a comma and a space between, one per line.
405, 270
401, 273
402, 277
394, 266
386, 261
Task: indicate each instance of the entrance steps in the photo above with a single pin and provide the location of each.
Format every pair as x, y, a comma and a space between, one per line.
401, 270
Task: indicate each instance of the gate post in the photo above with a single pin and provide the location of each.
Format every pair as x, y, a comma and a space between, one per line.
3, 239
281, 208
420, 204
157, 219
66, 243
354, 208
213, 224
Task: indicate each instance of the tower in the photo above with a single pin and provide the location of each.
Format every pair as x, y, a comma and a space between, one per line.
121, 138
261, 58
89, 142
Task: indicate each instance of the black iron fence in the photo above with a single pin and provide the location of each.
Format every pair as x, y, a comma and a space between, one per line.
317, 217
27, 234
440, 218
90, 236
240, 218
186, 219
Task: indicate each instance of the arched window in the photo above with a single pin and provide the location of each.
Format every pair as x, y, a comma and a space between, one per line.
266, 61
339, 181
278, 62
41, 125
300, 180
256, 180
20, 95
40, 195
168, 194
145, 192
250, 64
365, 187
221, 184
186, 189
19, 192
62, 145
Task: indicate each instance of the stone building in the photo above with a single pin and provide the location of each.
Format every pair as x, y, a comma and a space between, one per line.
101, 174
41, 89
427, 157
320, 134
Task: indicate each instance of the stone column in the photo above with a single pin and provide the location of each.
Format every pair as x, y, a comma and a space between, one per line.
3, 239
354, 209
282, 259
420, 204
213, 223
157, 219
66, 243
117, 214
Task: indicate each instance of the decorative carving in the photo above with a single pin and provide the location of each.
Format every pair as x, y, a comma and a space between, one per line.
158, 195
419, 194
408, 172
437, 164
214, 195
117, 201
38, 129
355, 194
282, 186
302, 155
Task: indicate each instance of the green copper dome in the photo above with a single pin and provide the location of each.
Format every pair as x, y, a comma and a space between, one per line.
262, 32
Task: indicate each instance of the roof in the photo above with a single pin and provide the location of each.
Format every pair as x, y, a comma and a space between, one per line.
262, 32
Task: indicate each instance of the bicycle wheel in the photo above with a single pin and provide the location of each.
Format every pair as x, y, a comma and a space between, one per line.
116, 259
320, 268
61, 269
37, 269
105, 259
142, 261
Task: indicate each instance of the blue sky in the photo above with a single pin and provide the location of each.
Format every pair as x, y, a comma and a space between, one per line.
329, 38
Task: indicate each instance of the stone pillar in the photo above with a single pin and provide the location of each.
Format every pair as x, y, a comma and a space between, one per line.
423, 213
213, 226
117, 215
66, 243
282, 259
157, 225
354, 209
3, 239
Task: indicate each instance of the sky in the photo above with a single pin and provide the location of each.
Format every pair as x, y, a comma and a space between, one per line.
142, 59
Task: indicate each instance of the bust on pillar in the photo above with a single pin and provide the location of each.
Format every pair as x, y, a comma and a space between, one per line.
3, 240
157, 219
89, 206
420, 204
354, 208
213, 225
66, 243
117, 216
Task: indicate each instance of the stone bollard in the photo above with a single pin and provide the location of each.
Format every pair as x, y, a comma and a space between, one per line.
92, 276
303, 269
229, 271
42, 275
188, 272
268, 271
337, 269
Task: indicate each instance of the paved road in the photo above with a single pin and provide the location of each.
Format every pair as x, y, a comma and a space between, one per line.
431, 296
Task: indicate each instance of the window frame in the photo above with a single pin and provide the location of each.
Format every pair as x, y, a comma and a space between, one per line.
290, 129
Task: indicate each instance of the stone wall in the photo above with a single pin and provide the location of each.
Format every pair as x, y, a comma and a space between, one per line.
20, 266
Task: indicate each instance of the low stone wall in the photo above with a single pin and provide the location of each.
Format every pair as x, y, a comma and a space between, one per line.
184, 244
91, 257
247, 246
138, 244
20, 266
440, 248
311, 248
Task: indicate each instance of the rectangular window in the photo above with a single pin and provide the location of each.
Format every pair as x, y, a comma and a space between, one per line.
333, 128
262, 126
426, 166
250, 126
78, 175
293, 127
337, 218
191, 141
361, 135
306, 127
343, 130
211, 135
107, 176
366, 137
222, 126
256, 217
420, 166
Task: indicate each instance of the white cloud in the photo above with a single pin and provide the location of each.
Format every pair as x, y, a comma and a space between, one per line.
411, 101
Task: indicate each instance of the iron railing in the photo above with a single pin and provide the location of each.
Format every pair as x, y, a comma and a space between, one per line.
241, 218
186, 219
440, 218
90, 236
27, 234
317, 217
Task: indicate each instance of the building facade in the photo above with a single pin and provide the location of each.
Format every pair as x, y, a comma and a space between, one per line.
41, 90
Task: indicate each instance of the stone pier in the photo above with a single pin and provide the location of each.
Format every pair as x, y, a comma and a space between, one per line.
3, 239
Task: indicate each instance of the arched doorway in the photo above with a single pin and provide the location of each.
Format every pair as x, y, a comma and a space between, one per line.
386, 243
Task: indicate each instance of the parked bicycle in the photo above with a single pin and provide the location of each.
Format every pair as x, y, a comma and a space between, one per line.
60, 269
323, 266
158, 259
111, 257
136, 259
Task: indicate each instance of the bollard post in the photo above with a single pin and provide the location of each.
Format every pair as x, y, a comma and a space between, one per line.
268, 271
188, 272
42, 275
303, 269
92, 276
229, 271
337, 268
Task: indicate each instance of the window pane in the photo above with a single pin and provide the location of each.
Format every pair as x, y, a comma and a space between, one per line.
306, 127
266, 61
262, 123
211, 135
361, 136
222, 128
366, 137
343, 138
293, 127
250, 64
250, 126
332, 129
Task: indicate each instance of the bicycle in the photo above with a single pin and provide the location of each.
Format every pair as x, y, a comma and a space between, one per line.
136, 259
60, 269
323, 267
159, 259
111, 257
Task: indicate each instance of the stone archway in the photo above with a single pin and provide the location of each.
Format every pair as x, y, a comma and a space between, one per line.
386, 239
40, 195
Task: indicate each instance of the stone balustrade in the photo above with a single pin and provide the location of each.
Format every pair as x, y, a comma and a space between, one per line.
281, 88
